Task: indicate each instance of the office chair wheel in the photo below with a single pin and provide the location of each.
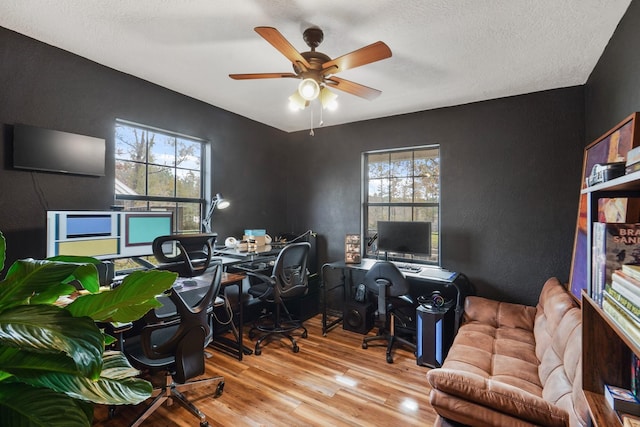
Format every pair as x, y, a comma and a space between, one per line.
257, 352
304, 334
219, 389
389, 358
204, 424
296, 349
364, 345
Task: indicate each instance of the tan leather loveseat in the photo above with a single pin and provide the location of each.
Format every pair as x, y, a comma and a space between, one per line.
514, 365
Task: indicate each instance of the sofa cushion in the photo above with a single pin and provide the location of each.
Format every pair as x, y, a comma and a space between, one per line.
499, 400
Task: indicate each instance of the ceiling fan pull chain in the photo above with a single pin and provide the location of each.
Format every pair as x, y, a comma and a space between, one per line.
311, 131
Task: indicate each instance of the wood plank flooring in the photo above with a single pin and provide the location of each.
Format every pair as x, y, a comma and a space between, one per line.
332, 381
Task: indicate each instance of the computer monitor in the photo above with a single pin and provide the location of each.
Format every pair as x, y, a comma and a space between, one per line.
405, 237
105, 234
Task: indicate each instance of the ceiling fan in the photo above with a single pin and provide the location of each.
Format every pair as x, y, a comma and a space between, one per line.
318, 70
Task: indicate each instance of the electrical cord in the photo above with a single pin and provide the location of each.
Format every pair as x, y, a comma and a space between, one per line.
228, 310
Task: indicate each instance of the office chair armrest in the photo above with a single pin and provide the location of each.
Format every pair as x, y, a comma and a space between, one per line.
157, 352
269, 280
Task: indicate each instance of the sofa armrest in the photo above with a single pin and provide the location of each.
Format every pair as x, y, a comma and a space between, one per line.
499, 314
497, 396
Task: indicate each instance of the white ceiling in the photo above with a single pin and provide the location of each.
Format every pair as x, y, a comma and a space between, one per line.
445, 52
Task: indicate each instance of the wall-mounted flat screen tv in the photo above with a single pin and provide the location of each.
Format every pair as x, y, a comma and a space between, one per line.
42, 149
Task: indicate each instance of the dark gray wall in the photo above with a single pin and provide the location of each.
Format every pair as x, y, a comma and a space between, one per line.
511, 167
510, 173
48, 87
613, 89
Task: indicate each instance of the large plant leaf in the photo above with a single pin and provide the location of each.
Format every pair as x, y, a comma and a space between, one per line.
49, 329
22, 405
88, 280
43, 281
116, 385
129, 301
20, 362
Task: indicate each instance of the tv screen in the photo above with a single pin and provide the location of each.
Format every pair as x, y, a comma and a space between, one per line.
406, 237
36, 148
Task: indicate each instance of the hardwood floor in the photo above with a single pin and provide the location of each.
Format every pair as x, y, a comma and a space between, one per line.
332, 381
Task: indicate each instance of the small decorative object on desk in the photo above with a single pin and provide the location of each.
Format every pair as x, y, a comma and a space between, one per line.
352, 253
621, 399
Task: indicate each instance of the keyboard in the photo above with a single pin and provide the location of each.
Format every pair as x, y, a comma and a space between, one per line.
409, 268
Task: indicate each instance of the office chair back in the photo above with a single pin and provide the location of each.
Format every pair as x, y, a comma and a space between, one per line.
290, 271
178, 341
186, 254
395, 306
386, 273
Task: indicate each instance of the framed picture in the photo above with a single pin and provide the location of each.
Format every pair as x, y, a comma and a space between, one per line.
613, 146
352, 254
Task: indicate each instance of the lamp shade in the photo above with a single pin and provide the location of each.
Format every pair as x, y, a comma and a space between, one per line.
328, 99
309, 89
221, 202
297, 102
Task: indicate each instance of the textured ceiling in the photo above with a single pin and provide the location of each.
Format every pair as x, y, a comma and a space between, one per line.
445, 52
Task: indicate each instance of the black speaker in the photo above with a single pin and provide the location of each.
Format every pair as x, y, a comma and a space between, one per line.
358, 317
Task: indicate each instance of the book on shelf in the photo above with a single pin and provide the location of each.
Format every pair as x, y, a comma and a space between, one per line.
633, 156
632, 168
627, 284
614, 244
623, 321
628, 301
635, 320
622, 400
631, 270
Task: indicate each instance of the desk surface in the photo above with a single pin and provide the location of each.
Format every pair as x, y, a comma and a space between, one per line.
260, 250
427, 272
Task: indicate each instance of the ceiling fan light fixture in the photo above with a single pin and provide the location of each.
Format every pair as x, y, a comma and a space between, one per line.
309, 89
328, 99
297, 102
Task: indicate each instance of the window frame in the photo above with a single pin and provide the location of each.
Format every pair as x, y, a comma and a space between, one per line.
366, 204
149, 200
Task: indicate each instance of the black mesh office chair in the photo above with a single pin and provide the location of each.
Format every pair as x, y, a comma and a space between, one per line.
395, 307
172, 339
188, 255
288, 280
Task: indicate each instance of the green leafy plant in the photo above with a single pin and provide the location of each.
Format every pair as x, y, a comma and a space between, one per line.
53, 361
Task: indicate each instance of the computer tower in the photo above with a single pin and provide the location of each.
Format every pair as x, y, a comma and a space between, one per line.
435, 332
358, 317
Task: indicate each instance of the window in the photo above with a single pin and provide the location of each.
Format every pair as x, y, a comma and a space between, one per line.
402, 185
161, 170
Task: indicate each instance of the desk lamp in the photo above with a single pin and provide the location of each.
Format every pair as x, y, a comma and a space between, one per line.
217, 202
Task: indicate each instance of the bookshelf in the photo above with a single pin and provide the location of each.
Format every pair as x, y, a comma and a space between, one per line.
606, 348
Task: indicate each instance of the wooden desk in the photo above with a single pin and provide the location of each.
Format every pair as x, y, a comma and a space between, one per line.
233, 279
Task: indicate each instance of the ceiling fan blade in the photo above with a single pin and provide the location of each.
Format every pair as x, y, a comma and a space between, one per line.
277, 40
352, 88
366, 55
261, 76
